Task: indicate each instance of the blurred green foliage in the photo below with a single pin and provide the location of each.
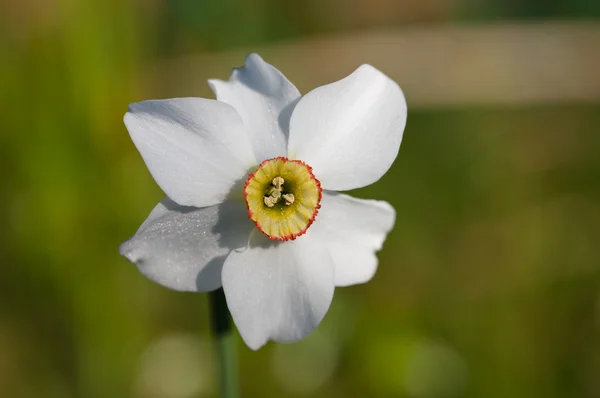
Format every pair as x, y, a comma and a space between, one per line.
487, 287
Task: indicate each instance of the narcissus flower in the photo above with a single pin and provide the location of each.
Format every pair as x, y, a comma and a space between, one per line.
251, 206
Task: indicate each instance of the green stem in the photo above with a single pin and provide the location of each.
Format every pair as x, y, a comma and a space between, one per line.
225, 345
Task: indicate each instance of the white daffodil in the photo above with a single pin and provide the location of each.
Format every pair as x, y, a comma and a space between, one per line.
251, 206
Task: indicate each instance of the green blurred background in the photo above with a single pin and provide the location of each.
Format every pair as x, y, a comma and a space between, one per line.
489, 285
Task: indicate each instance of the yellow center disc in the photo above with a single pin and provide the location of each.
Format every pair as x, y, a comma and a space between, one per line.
283, 198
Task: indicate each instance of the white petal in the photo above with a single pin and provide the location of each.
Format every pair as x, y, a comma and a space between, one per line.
183, 248
264, 98
278, 290
353, 230
195, 148
349, 131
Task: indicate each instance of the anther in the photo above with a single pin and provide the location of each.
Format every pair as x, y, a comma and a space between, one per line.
270, 201
289, 199
274, 193
278, 182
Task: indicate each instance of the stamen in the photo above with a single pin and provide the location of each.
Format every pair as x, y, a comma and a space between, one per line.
270, 201
283, 198
274, 193
289, 199
278, 182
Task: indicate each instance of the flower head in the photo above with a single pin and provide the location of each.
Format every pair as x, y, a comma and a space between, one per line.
251, 206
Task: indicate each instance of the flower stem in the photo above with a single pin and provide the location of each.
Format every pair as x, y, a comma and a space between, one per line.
225, 345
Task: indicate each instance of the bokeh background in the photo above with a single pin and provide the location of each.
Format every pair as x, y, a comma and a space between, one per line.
489, 285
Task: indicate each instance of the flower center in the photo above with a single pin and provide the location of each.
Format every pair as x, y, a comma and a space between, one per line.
283, 198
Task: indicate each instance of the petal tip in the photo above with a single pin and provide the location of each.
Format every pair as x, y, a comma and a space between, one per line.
369, 69
213, 83
128, 117
135, 107
253, 58
252, 61
388, 221
126, 250
255, 345
216, 85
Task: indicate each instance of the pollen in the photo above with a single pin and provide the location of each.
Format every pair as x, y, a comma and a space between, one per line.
283, 198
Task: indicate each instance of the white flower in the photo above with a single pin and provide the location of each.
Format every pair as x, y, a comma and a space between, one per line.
241, 165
